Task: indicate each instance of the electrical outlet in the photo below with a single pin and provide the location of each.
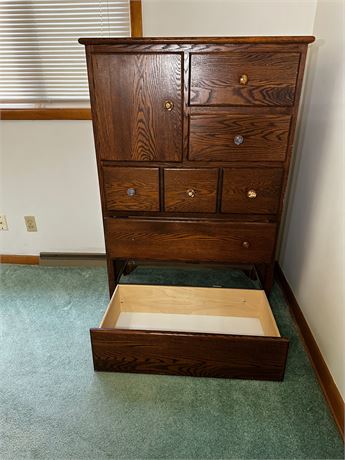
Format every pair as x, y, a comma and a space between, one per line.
3, 223
30, 223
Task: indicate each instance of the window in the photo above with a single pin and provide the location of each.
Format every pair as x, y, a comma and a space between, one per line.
40, 57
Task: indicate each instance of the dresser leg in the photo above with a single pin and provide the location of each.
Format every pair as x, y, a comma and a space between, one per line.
129, 267
111, 275
268, 279
115, 270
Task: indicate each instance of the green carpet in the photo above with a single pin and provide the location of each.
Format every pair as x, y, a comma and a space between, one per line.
53, 406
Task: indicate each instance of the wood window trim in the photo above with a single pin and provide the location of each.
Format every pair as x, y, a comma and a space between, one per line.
44, 113
136, 18
40, 111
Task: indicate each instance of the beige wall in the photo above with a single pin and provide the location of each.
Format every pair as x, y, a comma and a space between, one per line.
313, 246
48, 169
227, 17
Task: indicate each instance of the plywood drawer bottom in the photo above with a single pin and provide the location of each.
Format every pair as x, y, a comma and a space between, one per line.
205, 332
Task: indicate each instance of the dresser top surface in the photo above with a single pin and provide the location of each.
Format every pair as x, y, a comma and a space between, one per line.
200, 40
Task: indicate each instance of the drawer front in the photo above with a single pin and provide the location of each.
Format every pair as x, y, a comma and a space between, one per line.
132, 189
244, 79
190, 190
225, 137
199, 355
189, 241
253, 190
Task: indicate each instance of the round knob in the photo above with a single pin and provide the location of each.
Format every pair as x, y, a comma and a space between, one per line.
168, 105
131, 192
245, 244
251, 194
191, 193
238, 140
243, 79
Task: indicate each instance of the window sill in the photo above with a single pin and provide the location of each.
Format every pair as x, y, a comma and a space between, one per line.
45, 112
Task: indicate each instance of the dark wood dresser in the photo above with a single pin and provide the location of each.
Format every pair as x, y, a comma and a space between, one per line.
194, 139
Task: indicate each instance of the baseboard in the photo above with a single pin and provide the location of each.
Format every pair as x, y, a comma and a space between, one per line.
19, 259
68, 259
328, 386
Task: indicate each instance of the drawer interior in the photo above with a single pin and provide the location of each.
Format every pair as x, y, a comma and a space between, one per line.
190, 309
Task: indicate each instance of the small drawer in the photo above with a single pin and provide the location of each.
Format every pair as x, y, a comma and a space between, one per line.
190, 190
203, 332
225, 137
244, 79
251, 190
132, 189
216, 241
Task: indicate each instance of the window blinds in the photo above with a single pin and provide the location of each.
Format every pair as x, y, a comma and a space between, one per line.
40, 57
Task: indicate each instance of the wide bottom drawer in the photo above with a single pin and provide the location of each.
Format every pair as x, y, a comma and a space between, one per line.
204, 332
233, 242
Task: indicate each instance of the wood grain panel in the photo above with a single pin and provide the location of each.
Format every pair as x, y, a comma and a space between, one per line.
266, 183
193, 354
130, 118
190, 240
174, 41
144, 182
264, 137
215, 78
202, 182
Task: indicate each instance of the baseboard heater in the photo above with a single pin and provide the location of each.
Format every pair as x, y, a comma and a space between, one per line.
72, 259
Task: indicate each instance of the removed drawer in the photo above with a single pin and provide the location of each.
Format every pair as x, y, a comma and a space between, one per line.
133, 189
190, 190
251, 190
204, 332
217, 241
244, 79
229, 137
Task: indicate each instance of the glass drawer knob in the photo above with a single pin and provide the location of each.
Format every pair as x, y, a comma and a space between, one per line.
251, 194
245, 244
191, 193
238, 140
131, 192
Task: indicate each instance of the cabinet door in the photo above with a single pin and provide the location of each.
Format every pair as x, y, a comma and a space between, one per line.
137, 106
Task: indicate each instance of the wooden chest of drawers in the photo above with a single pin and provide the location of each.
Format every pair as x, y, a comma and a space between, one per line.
193, 140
